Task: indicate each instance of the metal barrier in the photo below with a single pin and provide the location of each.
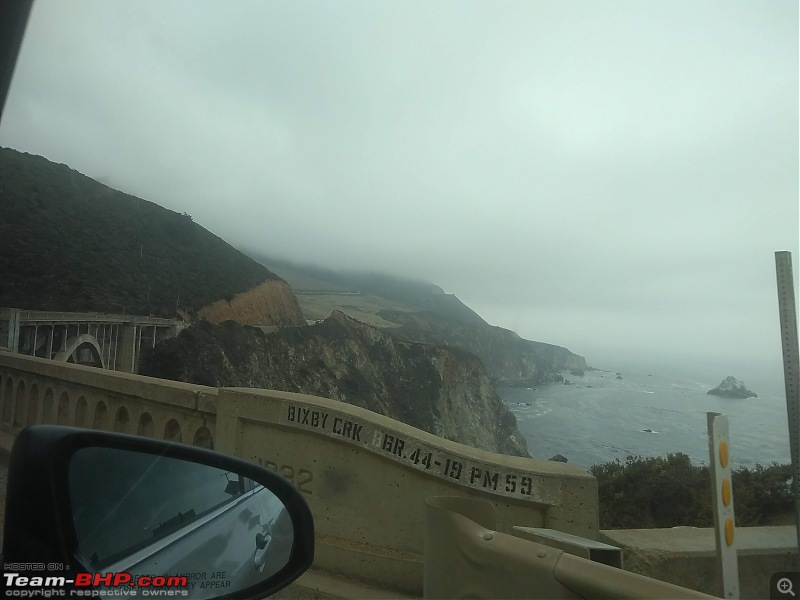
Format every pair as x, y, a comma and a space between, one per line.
466, 558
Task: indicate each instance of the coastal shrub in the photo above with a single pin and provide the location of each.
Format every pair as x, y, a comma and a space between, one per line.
650, 492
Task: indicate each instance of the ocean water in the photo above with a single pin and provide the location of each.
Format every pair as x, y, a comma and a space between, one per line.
602, 418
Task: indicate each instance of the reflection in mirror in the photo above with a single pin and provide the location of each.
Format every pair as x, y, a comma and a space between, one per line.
151, 515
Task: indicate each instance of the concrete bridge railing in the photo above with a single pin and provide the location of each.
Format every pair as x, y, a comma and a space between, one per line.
35, 390
366, 477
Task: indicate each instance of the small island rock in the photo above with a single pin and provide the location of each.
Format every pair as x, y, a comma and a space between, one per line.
732, 388
559, 458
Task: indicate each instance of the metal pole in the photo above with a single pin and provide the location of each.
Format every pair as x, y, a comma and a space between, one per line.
791, 364
722, 497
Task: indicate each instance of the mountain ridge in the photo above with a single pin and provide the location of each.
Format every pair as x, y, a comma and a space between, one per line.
423, 312
68, 242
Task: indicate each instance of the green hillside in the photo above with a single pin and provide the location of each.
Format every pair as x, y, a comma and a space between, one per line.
68, 242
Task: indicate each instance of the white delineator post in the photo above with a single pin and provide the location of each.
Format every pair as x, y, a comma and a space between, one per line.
791, 368
722, 497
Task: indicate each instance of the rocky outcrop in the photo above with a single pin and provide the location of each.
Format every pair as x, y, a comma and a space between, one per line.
732, 388
441, 390
269, 303
509, 359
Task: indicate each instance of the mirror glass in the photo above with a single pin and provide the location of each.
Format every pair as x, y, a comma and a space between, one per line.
148, 515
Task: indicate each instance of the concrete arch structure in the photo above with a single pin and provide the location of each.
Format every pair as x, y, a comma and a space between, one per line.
100, 420
48, 406
8, 407
19, 406
81, 412
121, 420
85, 341
172, 431
146, 426
33, 416
62, 416
203, 438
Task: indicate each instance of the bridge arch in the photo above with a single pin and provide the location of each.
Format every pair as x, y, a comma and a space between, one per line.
203, 438
33, 406
7, 400
19, 408
100, 415
121, 420
82, 350
63, 409
172, 431
146, 425
81, 408
47, 406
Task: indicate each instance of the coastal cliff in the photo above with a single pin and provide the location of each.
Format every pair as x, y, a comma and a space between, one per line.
441, 390
509, 359
420, 311
270, 303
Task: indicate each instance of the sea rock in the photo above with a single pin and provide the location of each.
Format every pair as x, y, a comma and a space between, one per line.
732, 388
559, 458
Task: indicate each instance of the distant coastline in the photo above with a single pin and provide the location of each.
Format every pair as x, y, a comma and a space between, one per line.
601, 418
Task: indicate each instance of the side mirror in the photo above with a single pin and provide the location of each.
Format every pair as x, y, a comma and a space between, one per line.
92, 510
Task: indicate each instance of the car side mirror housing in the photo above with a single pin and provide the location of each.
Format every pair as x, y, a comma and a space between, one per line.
89, 509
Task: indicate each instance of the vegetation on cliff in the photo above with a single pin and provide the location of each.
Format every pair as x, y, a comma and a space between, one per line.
68, 242
440, 390
644, 493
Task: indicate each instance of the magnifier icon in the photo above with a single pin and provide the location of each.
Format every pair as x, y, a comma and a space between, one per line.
784, 586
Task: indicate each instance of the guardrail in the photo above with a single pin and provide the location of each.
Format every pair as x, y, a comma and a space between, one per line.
466, 557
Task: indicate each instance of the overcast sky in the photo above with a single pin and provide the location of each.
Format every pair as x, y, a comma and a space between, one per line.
614, 177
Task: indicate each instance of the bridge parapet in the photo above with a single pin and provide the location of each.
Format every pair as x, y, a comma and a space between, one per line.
365, 476
36, 390
49, 316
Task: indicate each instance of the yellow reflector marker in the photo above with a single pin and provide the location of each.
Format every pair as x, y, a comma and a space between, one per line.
726, 492
723, 454
729, 531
